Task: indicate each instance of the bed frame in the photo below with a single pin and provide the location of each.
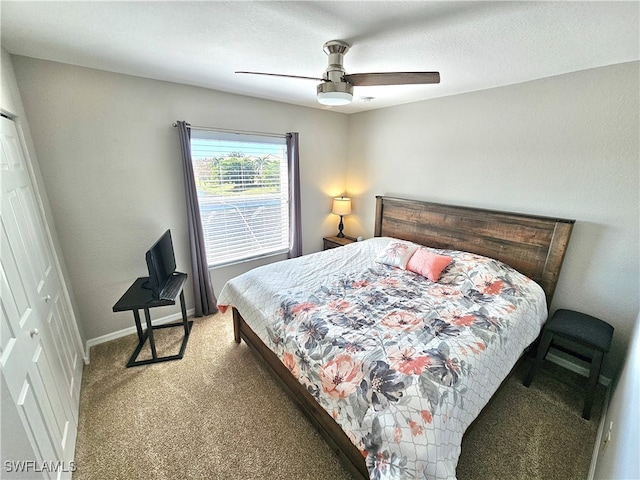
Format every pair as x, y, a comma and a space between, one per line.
533, 245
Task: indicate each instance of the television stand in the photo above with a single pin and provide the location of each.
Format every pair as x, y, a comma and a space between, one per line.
138, 297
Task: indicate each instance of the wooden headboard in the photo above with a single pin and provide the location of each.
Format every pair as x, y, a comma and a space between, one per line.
533, 245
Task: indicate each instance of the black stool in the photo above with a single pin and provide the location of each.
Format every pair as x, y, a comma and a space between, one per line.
587, 331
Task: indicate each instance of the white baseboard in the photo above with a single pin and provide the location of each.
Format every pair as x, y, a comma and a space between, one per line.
129, 331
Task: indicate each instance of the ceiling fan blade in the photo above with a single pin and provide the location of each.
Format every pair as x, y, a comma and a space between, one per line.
287, 76
392, 78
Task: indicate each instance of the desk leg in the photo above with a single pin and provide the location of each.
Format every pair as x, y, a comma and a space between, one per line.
184, 314
152, 343
136, 316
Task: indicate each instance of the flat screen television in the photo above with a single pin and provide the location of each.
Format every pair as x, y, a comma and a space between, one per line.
161, 264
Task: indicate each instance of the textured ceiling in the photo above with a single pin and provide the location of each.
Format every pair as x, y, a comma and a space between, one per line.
474, 45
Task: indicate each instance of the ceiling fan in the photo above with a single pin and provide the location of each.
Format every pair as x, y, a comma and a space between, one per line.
336, 87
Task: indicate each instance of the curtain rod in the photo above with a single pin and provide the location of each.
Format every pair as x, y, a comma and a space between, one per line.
239, 132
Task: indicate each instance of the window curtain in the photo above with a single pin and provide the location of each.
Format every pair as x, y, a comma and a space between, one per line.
295, 220
205, 300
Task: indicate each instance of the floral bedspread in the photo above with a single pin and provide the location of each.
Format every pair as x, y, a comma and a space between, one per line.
404, 364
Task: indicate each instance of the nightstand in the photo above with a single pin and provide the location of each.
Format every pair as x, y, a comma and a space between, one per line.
333, 242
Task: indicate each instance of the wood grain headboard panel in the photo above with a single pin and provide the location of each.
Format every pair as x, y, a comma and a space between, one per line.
533, 245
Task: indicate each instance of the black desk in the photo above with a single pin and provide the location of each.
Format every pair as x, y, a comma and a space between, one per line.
138, 297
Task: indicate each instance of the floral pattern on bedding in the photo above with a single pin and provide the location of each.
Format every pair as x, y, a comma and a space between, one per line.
395, 358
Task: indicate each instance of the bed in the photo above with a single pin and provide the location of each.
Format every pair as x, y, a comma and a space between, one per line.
390, 365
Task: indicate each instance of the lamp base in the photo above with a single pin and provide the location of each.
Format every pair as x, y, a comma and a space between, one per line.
340, 227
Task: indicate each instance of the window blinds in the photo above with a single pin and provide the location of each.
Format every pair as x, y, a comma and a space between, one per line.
242, 185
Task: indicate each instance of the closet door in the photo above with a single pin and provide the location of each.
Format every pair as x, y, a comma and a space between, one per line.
41, 359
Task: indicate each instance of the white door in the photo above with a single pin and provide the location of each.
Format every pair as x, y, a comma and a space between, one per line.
40, 359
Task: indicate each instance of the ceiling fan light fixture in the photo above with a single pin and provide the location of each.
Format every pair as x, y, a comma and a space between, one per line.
335, 98
335, 94
336, 87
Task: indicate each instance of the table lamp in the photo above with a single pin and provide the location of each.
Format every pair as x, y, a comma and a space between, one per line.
342, 207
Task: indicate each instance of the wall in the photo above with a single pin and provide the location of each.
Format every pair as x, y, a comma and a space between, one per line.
110, 160
563, 146
619, 458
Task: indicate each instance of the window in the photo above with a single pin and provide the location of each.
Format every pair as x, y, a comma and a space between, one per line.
242, 185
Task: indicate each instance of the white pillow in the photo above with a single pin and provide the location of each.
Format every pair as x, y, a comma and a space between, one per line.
397, 254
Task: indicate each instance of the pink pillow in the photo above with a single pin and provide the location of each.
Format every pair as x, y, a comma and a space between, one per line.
428, 264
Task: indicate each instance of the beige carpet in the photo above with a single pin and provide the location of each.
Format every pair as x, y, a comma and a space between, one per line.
217, 414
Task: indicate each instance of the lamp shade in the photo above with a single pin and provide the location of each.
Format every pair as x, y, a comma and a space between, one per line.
341, 206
